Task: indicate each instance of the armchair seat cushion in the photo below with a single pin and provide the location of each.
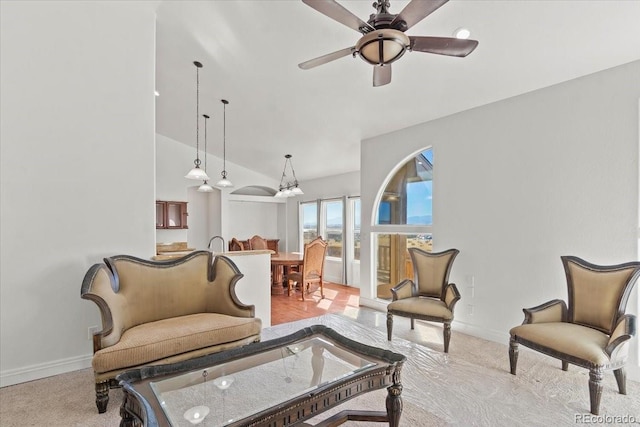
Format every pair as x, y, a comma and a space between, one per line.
421, 306
157, 340
578, 341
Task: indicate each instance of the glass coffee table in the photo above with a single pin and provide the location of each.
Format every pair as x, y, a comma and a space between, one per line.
280, 382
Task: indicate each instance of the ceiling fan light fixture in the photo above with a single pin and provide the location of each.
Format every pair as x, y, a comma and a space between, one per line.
382, 47
462, 33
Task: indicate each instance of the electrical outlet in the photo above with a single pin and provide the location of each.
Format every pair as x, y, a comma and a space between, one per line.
470, 309
91, 331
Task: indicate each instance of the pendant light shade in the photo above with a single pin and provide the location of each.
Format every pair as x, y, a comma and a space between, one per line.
196, 172
288, 184
224, 182
205, 187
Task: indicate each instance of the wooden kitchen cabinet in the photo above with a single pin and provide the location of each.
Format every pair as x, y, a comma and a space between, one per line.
171, 215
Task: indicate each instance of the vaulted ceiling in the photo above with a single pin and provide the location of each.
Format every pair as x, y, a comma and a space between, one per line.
250, 51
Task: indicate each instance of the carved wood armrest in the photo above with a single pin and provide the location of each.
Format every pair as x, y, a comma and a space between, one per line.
100, 286
624, 330
404, 289
552, 311
451, 295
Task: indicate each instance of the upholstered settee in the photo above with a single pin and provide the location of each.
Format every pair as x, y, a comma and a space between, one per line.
156, 312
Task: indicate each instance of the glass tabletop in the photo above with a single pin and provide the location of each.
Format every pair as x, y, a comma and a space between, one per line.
228, 392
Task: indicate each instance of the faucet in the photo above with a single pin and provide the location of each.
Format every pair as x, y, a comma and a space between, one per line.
214, 238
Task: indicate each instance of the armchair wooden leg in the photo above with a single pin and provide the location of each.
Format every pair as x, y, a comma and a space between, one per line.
321, 290
565, 366
413, 323
595, 389
102, 396
621, 379
389, 325
447, 335
513, 355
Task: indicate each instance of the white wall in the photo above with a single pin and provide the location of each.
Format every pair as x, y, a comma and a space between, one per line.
519, 183
251, 218
198, 233
77, 136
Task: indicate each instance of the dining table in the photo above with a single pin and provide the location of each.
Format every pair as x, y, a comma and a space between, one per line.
281, 264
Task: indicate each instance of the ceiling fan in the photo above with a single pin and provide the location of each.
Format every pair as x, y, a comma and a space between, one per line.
384, 40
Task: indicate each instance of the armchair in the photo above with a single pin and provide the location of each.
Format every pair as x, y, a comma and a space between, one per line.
592, 331
431, 297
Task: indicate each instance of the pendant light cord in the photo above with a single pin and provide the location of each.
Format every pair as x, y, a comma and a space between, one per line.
198, 66
224, 139
224, 142
205, 142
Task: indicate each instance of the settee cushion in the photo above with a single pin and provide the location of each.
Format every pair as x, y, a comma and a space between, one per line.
568, 338
157, 340
420, 306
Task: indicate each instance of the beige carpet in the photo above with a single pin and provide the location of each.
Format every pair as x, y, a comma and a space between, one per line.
470, 386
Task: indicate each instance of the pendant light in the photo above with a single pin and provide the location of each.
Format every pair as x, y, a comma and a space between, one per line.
196, 172
224, 182
205, 187
288, 185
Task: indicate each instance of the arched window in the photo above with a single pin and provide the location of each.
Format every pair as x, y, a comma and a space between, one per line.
404, 218
407, 198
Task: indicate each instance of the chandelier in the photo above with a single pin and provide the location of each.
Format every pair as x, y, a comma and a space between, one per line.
288, 184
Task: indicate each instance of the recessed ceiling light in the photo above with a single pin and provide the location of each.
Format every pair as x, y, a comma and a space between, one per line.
156, 92
461, 33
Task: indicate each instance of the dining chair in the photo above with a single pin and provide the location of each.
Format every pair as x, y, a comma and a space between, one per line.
312, 269
236, 245
257, 242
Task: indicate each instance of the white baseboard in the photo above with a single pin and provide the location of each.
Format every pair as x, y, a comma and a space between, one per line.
43, 370
374, 303
496, 336
487, 334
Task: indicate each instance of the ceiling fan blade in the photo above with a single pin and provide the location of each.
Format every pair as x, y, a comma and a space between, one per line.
338, 13
415, 12
381, 75
443, 45
327, 58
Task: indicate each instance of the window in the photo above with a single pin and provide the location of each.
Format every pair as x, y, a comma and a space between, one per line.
406, 201
356, 228
309, 212
407, 198
333, 227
